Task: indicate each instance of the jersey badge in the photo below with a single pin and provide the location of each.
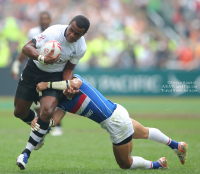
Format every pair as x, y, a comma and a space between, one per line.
89, 113
72, 54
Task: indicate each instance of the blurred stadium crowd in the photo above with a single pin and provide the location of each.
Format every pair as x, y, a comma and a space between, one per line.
123, 33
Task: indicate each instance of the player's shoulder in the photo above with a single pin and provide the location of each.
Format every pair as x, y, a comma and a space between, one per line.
59, 27
55, 32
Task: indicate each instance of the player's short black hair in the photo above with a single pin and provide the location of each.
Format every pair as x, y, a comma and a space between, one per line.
81, 22
45, 13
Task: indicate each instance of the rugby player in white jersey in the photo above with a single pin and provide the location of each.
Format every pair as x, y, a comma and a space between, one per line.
48, 68
114, 118
44, 22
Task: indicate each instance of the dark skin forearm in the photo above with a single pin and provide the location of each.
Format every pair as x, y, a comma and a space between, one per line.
68, 74
68, 71
30, 50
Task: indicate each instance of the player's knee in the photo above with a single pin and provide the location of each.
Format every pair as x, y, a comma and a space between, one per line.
19, 113
124, 165
146, 133
47, 113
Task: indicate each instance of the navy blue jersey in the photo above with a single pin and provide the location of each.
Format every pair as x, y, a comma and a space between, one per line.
89, 102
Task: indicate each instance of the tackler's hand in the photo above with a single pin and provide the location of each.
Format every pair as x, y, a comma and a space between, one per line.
41, 86
69, 92
34, 125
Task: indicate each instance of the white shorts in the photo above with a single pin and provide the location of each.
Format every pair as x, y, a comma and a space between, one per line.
119, 125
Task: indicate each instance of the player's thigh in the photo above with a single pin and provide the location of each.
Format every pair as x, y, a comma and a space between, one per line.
22, 108
24, 97
48, 102
123, 154
140, 132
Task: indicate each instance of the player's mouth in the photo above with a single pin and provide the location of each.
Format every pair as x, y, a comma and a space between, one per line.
69, 39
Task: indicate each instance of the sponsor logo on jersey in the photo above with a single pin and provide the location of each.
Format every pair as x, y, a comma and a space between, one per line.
41, 37
72, 54
89, 113
61, 60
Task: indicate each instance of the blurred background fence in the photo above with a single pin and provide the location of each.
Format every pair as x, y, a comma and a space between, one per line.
128, 82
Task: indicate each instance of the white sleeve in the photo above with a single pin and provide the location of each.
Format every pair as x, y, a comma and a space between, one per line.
45, 36
76, 59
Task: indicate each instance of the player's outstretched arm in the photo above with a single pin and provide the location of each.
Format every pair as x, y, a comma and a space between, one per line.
61, 85
16, 64
68, 74
29, 50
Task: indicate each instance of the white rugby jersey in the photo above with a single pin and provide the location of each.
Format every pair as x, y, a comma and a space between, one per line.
34, 32
70, 51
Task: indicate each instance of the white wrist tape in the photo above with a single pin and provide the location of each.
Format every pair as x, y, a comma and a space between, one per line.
62, 85
41, 59
51, 123
15, 67
68, 83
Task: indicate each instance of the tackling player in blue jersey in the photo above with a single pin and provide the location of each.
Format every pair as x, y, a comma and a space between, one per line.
114, 118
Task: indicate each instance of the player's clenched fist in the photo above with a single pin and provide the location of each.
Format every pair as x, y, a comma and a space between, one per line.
42, 86
73, 88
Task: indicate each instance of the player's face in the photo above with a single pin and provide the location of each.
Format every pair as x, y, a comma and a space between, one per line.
74, 33
44, 21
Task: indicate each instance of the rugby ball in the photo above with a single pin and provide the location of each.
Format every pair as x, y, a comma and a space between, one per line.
48, 46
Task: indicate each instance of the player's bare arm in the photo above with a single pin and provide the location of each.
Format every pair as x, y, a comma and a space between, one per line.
16, 64
61, 85
68, 74
30, 50
68, 71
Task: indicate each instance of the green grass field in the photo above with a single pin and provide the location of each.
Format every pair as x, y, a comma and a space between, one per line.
86, 148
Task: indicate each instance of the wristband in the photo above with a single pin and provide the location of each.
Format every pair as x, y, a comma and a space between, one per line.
49, 85
51, 123
61, 85
15, 67
41, 59
68, 83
